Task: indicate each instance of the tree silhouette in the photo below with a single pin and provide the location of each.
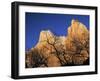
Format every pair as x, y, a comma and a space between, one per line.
38, 59
58, 47
69, 56
35, 58
82, 50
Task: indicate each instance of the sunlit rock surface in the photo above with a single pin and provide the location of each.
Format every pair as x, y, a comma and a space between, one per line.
53, 51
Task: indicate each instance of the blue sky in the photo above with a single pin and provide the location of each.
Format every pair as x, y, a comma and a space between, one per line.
56, 23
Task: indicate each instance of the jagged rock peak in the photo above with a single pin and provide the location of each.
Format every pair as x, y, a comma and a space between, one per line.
77, 28
73, 21
44, 34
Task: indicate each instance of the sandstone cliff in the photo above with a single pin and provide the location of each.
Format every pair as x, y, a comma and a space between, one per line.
53, 51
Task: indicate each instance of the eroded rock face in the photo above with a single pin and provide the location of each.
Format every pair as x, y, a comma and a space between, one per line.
48, 37
77, 33
59, 51
78, 41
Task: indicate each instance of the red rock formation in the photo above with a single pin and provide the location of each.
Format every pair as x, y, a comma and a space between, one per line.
58, 51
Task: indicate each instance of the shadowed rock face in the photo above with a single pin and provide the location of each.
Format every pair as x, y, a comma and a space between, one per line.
53, 51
